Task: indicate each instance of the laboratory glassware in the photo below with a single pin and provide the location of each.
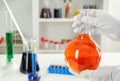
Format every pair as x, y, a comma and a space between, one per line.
82, 53
26, 63
45, 11
57, 10
9, 46
67, 9
33, 76
1, 40
9, 37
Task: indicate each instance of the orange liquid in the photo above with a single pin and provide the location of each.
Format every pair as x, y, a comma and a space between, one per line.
82, 53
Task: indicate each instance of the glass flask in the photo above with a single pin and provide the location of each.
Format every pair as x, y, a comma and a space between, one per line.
26, 61
82, 53
45, 11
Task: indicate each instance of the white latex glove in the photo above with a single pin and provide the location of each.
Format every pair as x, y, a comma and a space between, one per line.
97, 22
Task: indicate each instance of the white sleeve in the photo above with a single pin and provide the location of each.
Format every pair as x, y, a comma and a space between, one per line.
109, 26
97, 22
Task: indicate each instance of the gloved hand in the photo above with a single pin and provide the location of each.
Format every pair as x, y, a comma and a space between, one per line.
97, 22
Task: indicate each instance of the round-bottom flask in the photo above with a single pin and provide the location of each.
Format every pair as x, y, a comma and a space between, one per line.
82, 53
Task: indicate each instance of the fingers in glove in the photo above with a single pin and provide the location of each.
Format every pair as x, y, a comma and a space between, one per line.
76, 30
87, 12
83, 13
76, 24
89, 21
80, 29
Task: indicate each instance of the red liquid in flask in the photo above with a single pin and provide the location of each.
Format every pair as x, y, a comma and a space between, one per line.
82, 53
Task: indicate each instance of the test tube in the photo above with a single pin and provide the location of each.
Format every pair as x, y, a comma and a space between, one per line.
33, 45
9, 37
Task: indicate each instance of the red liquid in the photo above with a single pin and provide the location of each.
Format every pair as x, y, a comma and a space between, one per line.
45, 13
82, 53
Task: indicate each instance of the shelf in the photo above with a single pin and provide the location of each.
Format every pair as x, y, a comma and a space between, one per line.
50, 51
16, 45
55, 28
56, 20
18, 48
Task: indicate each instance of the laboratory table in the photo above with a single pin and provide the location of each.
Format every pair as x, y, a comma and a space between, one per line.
10, 72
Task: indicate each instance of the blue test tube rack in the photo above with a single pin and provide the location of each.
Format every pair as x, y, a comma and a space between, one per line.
59, 69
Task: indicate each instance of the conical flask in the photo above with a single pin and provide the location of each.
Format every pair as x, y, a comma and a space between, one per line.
26, 61
82, 54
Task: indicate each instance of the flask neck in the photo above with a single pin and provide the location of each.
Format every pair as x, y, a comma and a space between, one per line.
83, 37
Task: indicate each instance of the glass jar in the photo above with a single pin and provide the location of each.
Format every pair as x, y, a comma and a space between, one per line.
57, 10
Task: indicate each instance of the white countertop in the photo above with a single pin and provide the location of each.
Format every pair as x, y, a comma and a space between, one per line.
12, 73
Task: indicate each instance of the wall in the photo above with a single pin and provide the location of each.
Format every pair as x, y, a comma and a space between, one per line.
22, 10
109, 45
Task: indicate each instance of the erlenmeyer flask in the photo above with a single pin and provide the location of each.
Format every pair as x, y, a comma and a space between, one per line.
82, 53
26, 61
45, 11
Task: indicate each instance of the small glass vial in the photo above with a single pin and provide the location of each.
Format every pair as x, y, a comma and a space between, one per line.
67, 41
42, 43
56, 45
46, 44
62, 45
1, 40
51, 44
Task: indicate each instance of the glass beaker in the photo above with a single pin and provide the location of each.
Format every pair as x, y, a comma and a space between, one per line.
57, 10
45, 11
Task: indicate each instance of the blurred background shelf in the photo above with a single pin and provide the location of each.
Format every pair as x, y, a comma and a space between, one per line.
57, 28
44, 51
18, 48
56, 20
